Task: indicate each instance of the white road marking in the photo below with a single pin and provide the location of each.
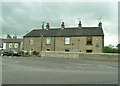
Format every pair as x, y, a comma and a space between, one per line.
102, 66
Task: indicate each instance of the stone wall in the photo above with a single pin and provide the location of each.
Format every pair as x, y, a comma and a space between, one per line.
36, 46
82, 56
77, 44
13, 46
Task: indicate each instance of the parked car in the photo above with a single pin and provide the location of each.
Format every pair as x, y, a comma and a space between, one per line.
10, 53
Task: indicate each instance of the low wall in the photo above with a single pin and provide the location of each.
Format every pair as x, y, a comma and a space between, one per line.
82, 56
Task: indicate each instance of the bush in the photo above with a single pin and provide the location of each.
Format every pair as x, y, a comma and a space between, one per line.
108, 49
21, 52
26, 53
35, 53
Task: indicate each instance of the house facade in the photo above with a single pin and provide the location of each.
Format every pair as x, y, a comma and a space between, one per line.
15, 44
73, 39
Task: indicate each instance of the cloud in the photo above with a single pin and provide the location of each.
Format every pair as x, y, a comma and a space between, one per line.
21, 17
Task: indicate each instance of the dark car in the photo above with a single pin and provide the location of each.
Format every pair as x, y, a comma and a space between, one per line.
10, 53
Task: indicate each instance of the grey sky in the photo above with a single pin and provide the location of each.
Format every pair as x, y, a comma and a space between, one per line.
21, 17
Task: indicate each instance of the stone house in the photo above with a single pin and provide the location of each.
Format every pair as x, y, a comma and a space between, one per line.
15, 44
73, 39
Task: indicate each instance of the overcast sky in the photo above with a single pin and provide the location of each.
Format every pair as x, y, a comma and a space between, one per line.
21, 17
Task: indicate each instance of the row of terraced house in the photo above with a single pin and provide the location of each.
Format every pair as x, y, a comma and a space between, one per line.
65, 39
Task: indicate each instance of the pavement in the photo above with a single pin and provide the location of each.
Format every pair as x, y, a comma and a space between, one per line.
46, 70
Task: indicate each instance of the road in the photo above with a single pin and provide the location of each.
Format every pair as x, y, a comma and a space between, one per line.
36, 70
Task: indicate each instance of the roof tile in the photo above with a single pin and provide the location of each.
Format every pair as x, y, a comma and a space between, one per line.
84, 31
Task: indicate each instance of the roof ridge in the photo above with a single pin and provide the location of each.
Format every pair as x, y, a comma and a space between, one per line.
64, 28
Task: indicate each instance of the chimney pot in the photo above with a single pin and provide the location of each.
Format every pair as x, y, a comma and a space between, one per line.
100, 24
62, 25
79, 25
47, 26
15, 36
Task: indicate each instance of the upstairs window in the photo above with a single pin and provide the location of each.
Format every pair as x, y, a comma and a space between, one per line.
31, 41
67, 40
48, 41
89, 40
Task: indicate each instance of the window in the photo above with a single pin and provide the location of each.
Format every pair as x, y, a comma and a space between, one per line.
48, 41
31, 40
66, 50
16, 45
4, 45
67, 40
89, 40
88, 51
10, 45
31, 50
48, 49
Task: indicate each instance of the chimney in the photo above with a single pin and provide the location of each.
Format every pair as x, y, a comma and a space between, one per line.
47, 26
15, 36
79, 25
62, 25
100, 25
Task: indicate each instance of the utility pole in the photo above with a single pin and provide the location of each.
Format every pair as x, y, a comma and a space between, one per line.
41, 41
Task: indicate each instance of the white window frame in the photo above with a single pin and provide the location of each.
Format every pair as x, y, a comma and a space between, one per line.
31, 49
10, 45
31, 40
67, 40
16, 45
4, 45
48, 41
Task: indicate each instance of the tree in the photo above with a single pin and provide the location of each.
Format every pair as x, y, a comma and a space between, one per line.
110, 49
8, 36
118, 47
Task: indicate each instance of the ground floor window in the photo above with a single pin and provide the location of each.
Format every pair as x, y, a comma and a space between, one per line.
16, 45
10, 45
89, 51
31, 50
48, 49
66, 50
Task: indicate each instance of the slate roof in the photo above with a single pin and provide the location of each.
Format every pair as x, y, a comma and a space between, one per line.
12, 40
66, 32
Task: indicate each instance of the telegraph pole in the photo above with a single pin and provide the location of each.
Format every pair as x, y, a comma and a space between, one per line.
41, 41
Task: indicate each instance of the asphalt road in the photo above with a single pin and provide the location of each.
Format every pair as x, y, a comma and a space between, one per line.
36, 70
